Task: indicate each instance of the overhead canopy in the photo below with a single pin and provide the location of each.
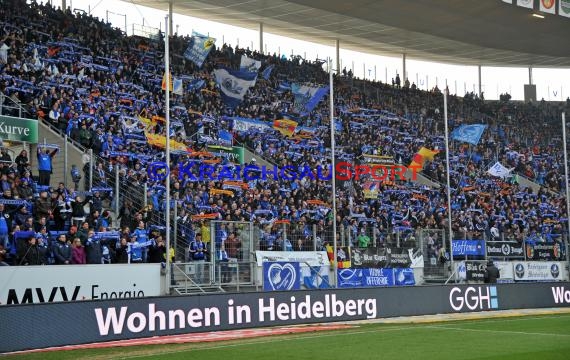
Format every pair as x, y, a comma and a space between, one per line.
483, 32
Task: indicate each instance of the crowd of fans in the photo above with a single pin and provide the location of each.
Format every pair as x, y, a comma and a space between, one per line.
93, 83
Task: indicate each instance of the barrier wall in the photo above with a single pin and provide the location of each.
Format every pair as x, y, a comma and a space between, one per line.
97, 321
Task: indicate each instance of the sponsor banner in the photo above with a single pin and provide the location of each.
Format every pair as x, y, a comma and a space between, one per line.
312, 258
22, 285
548, 6
564, 9
474, 298
18, 129
538, 271
504, 249
234, 154
468, 247
86, 322
546, 252
281, 276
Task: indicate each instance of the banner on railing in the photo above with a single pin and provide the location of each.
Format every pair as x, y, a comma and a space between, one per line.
312, 258
377, 257
505, 249
468, 247
539, 271
348, 278
547, 252
281, 276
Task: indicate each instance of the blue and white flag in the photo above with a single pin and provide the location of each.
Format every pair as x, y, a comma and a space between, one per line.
225, 137
234, 84
499, 170
469, 133
267, 72
307, 97
177, 86
249, 64
199, 48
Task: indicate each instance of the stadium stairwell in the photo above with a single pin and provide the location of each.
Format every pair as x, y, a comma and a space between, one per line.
74, 155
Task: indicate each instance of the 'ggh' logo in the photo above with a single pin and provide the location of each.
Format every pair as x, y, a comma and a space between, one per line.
474, 298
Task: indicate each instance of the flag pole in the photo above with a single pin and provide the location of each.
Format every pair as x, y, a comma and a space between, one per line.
335, 264
566, 175
447, 149
167, 125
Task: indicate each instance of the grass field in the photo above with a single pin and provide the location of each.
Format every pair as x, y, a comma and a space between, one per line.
531, 337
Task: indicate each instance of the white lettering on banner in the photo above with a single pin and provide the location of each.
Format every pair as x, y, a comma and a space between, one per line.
138, 321
15, 130
308, 309
82, 282
561, 295
474, 298
314, 258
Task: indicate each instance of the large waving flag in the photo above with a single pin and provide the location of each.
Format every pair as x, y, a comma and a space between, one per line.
160, 141
307, 97
285, 125
199, 48
267, 72
422, 157
225, 137
469, 133
177, 86
234, 84
249, 64
499, 170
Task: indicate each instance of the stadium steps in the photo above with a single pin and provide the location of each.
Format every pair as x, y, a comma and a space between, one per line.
74, 155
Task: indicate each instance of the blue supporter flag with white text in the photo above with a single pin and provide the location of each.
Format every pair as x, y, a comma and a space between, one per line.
469, 133
225, 137
234, 84
199, 48
267, 72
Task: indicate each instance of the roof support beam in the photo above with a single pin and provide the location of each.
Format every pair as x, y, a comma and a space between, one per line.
337, 56
261, 37
480, 85
170, 16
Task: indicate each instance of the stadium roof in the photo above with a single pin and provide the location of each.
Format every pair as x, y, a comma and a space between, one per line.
483, 32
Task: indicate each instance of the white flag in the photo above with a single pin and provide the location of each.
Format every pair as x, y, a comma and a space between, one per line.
564, 9
526, 3
249, 64
499, 170
548, 6
177, 86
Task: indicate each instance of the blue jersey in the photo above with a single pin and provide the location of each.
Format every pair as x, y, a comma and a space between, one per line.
44, 162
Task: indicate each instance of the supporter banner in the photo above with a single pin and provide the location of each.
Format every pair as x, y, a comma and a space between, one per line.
548, 252
365, 277
504, 249
469, 133
313, 258
548, 6
18, 129
539, 271
281, 276
371, 189
526, 3
378, 160
505, 271
468, 248
564, 9
22, 285
244, 124
99, 321
199, 48
475, 270
375, 257
404, 277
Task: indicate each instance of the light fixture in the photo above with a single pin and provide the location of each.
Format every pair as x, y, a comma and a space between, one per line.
538, 16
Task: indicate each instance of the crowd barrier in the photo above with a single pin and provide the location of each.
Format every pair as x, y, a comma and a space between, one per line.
88, 321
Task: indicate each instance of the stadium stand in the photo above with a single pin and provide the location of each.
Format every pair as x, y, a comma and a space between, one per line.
103, 90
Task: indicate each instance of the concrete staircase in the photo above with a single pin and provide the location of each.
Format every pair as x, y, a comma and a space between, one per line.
69, 154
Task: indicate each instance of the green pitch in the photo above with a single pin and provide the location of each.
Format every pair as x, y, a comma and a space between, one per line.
531, 337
